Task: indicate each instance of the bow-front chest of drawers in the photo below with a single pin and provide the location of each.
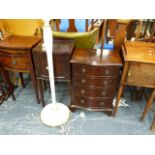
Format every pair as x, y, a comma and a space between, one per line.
94, 77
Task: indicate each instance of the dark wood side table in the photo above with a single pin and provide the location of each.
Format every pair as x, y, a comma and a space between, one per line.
15, 55
62, 51
139, 69
94, 78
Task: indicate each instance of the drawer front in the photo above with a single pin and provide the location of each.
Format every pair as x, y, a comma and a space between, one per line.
96, 82
95, 70
141, 74
92, 103
17, 62
79, 90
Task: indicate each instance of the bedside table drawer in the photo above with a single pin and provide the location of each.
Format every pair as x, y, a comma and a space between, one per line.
93, 92
95, 70
93, 102
17, 62
96, 82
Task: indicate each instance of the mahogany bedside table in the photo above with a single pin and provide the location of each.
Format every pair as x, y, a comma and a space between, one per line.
139, 69
62, 51
15, 55
94, 79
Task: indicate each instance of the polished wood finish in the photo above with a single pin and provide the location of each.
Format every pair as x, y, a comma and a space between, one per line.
94, 77
15, 55
138, 70
62, 51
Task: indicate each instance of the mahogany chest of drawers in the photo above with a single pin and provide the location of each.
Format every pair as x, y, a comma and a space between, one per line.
94, 77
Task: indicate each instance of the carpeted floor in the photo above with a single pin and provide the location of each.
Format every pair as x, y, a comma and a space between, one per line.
22, 117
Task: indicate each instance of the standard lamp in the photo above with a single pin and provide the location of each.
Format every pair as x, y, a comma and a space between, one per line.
53, 114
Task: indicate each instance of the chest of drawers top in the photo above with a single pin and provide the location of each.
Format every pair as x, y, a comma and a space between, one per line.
19, 42
95, 57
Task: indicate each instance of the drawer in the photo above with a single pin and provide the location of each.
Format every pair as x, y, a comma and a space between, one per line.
13, 61
96, 82
92, 102
95, 70
79, 90
141, 74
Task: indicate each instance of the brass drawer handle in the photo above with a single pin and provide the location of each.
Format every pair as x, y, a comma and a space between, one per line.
82, 91
103, 93
129, 74
107, 72
83, 81
83, 70
14, 62
82, 101
102, 103
105, 82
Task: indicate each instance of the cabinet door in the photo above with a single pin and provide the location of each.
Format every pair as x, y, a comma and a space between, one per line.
61, 65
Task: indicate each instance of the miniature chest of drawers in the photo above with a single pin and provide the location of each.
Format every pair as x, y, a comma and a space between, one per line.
94, 77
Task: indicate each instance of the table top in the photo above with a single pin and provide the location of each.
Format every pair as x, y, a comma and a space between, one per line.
59, 46
137, 51
19, 42
96, 57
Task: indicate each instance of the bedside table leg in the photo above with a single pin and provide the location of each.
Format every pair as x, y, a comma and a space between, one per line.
148, 105
40, 82
35, 86
121, 88
22, 79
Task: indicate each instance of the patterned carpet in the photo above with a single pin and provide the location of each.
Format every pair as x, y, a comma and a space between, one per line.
22, 117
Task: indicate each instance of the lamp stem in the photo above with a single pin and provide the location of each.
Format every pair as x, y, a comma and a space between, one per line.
48, 41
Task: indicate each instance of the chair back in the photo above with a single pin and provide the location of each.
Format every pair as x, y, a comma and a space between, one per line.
69, 25
132, 27
117, 33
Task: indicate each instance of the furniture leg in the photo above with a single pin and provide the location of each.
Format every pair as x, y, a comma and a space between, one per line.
41, 91
118, 98
121, 88
22, 79
6, 78
140, 94
153, 124
44, 85
148, 105
33, 77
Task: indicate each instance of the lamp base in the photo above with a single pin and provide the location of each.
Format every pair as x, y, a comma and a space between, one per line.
55, 114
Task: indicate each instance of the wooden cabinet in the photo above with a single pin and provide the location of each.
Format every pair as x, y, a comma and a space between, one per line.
94, 77
62, 51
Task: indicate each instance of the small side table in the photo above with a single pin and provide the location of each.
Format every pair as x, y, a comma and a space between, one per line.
15, 55
62, 51
139, 69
